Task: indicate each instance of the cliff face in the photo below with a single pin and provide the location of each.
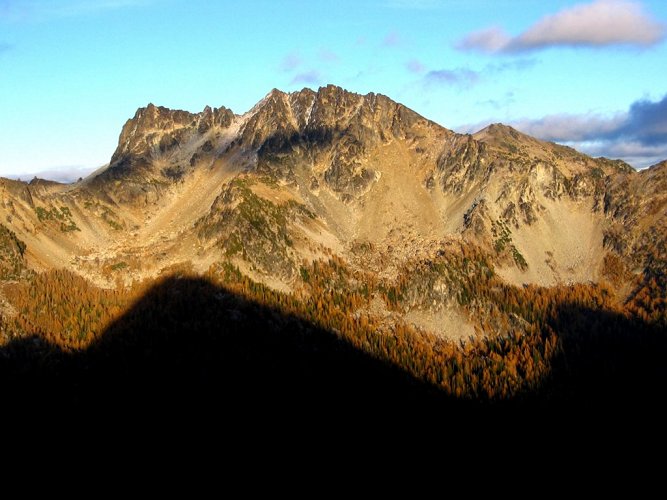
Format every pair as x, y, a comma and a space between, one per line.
155, 131
307, 175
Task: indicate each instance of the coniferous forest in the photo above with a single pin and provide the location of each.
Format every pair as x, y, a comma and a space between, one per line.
223, 338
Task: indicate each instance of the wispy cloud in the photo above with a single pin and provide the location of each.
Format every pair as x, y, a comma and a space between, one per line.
504, 101
40, 9
306, 70
597, 24
308, 77
328, 56
415, 66
513, 65
467, 77
392, 39
459, 77
290, 62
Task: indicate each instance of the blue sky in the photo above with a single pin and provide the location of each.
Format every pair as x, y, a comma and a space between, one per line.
592, 74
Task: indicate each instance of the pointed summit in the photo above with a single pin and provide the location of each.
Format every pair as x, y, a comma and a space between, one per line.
498, 132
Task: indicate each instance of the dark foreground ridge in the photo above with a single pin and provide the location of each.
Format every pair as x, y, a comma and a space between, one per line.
191, 346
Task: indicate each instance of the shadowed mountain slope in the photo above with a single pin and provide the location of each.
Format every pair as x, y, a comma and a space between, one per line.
190, 346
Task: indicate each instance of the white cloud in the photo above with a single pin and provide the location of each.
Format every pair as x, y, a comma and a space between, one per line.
597, 24
564, 127
632, 152
492, 39
637, 136
64, 174
644, 123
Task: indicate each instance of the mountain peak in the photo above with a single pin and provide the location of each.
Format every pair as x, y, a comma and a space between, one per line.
660, 166
330, 88
275, 93
157, 128
500, 131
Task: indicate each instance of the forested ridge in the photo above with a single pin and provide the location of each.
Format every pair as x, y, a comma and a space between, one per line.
541, 346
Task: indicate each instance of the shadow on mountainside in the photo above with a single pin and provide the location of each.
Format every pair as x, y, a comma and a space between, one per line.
188, 343
190, 346
608, 362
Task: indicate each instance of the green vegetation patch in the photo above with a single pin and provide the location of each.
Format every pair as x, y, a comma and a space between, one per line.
254, 228
119, 266
502, 235
55, 214
110, 218
12, 252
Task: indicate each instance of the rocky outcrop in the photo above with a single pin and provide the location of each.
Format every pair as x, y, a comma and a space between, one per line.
635, 204
255, 229
155, 131
12, 255
332, 127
